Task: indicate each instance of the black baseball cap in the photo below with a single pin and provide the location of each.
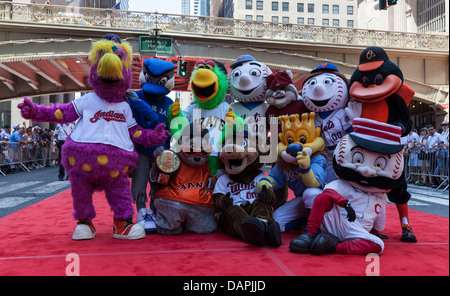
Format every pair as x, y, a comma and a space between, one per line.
372, 58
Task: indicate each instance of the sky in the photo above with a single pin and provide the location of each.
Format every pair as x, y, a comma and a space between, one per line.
161, 6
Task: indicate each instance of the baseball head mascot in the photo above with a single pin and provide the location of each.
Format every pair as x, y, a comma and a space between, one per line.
380, 94
325, 92
352, 209
209, 87
150, 106
247, 86
300, 166
99, 154
244, 213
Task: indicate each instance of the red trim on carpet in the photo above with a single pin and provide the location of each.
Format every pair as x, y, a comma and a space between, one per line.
37, 239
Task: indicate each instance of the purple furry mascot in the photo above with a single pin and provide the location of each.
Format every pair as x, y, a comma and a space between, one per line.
99, 154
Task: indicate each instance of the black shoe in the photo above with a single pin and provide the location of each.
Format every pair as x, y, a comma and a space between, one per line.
253, 230
407, 234
324, 243
273, 235
61, 179
302, 243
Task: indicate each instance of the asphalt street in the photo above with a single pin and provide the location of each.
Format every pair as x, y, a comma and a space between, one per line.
22, 189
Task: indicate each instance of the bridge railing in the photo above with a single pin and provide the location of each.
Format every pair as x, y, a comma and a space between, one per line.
110, 18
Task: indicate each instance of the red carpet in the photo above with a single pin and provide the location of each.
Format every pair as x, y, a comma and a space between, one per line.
36, 240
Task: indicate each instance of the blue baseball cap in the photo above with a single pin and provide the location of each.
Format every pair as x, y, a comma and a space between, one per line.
242, 59
158, 67
112, 37
325, 67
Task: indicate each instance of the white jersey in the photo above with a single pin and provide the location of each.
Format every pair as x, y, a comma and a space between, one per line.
103, 122
333, 127
370, 209
239, 192
212, 119
253, 117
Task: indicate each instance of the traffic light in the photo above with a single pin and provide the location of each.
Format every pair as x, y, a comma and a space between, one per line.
391, 2
181, 67
385, 4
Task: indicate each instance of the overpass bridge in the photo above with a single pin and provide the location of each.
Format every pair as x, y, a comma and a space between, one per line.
43, 48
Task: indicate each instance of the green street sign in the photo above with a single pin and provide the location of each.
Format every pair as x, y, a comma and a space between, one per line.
152, 44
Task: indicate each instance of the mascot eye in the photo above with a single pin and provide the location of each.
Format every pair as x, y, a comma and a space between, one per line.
290, 140
379, 79
357, 157
365, 81
380, 162
120, 55
237, 73
328, 80
302, 139
243, 143
163, 81
312, 81
255, 72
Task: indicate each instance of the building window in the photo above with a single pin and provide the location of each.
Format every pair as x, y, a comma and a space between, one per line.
325, 22
300, 7
310, 21
248, 4
335, 23
325, 8
350, 10
285, 6
349, 23
248, 17
300, 20
259, 18
285, 19
275, 19
259, 5
274, 6
335, 9
310, 7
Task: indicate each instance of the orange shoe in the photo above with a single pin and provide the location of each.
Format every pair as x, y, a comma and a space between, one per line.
84, 230
125, 229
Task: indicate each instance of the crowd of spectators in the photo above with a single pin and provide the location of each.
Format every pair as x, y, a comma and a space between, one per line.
32, 147
427, 155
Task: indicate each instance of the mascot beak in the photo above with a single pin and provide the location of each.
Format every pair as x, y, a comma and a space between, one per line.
110, 67
205, 84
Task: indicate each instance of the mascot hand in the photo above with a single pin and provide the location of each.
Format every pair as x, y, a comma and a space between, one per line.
266, 182
160, 134
266, 195
158, 151
303, 159
28, 109
230, 117
353, 110
175, 107
224, 202
351, 215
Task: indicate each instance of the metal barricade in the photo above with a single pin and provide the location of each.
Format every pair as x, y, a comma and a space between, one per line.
16, 156
428, 166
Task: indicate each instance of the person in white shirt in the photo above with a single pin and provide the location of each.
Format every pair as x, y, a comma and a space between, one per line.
62, 131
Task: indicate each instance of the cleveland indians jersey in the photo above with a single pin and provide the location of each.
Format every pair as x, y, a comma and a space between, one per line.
103, 122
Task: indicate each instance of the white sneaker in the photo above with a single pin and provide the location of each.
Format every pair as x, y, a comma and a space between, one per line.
127, 230
84, 230
140, 217
149, 222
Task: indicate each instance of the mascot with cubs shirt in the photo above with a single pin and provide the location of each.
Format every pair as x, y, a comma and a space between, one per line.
351, 210
99, 154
